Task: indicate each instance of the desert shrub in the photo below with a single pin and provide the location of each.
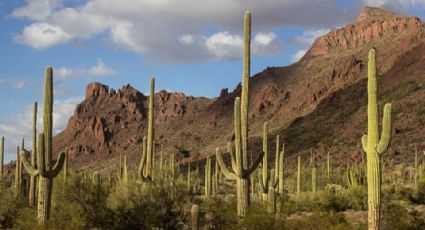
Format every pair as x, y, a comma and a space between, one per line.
10, 206
151, 205
395, 217
258, 218
419, 192
218, 213
319, 221
357, 198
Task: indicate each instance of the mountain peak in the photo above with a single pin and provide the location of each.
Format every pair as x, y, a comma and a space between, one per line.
375, 14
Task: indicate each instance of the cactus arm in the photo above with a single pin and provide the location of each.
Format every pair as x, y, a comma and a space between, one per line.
142, 163
265, 179
386, 130
364, 143
254, 166
27, 164
229, 175
232, 157
237, 115
58, 166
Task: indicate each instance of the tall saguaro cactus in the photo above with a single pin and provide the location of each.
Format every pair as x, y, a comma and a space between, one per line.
241, 172
146, 163
18, 173
45, 168
299, 176
374, 145
208, 177
33, 179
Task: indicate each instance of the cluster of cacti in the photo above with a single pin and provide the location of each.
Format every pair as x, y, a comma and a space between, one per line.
374, 145
45, 169
268, 183
241, 172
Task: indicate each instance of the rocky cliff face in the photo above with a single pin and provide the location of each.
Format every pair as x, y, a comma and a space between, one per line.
303, 102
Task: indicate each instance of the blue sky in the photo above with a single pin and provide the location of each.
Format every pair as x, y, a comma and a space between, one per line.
190, 46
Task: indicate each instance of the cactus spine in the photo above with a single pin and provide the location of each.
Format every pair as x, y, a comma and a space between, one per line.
33, 179
45, 170
1, 158
242, 173
373, 145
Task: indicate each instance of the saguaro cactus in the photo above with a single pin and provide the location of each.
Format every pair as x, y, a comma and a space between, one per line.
314, 180
241, 172
281, 170
194, 212
299, 176
373, 145
18, 173
265, 179
208, 177
146, 162
33, 179
45, 168
328, 167
66, 167
1, 158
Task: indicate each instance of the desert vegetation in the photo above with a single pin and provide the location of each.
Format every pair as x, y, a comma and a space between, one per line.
227, 190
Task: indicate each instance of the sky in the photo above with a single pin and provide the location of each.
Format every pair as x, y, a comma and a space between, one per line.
190, 46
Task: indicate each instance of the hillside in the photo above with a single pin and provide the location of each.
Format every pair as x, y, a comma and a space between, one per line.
318, 102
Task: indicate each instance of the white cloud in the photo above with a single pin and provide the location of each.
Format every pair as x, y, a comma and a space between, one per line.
162, 30
43, 35
224, 45
20, 125
298, 55
19, 83
308, 36
394, 3
266, 44
37, 10
100, 69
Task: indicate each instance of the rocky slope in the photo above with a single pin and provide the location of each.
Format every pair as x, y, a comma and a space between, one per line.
318, 102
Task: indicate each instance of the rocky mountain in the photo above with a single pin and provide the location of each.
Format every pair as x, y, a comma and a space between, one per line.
318, 102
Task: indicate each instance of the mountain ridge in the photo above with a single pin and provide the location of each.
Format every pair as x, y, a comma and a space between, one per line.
111, 122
